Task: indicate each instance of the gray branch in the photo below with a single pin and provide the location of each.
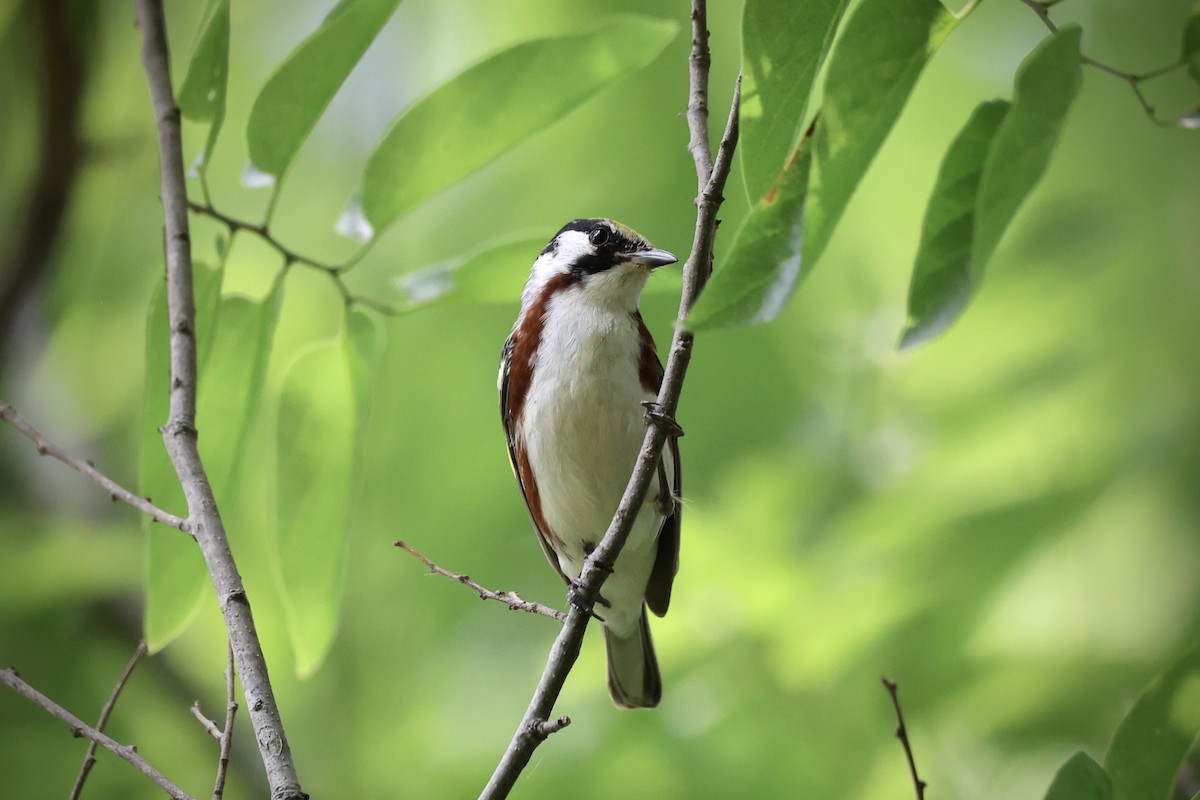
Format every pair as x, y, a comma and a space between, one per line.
80, 728
179, 433
89, 760
536, 724
115, 490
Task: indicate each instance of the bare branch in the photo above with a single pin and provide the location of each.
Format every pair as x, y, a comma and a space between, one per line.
902, 735
179, 433
565, 650
115, 490
510, 599
231, 707
90, 759
1042, 9
209, 726
335, 272
80, 728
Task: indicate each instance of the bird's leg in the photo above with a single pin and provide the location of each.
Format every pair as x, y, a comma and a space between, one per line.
575, 594
655, 415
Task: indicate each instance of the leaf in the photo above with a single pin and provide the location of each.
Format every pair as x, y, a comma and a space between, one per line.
1191, 43
323, 407
944, 277
989, 169
300, 89
878, 59
1046, 83
1157, 733
202, 94
762, 269
231, 381
494, 273
177, 577
471, 119
1080, 778
784, 43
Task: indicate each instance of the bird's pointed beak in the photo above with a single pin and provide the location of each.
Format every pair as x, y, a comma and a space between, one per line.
653, 257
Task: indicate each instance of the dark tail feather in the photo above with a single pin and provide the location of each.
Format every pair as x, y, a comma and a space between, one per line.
633, 679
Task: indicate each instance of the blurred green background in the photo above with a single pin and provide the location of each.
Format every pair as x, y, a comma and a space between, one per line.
1006, 521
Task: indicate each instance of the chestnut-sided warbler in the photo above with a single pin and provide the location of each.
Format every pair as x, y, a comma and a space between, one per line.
574, 375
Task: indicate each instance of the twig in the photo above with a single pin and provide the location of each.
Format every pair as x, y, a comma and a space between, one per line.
209, 726
231, 707
902, 735
565, 650
1042, 9
179, 433
262, 231
510, 599
115, 490
79, 728
90, 759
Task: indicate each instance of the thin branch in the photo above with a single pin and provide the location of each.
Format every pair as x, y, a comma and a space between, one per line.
902, 735
209, 726
79, 728
1042, 9
697, 112
90, 759
565, 650
335, 272
231, 707
179, 433
115, 490
510, 599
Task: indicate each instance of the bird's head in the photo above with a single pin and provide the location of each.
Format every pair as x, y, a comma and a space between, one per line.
606, 260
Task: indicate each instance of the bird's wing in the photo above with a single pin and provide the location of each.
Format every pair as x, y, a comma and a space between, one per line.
666, 561
518, 459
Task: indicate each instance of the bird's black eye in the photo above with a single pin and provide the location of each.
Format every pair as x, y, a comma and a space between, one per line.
598, 236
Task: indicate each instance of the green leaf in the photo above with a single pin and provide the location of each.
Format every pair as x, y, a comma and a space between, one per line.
298, 92
177, 577
471, 119
944, 277
878, 59
1191, 43
1157, 734
1046, 83
989, 169
202, 94
1081, 778
494, 273
784, 43
762, 269
231, 381
323, 408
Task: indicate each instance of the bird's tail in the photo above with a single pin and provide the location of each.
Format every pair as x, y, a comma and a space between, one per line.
633, 678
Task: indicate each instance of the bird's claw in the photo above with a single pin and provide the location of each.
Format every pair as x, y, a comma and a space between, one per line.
576, 598
655, 415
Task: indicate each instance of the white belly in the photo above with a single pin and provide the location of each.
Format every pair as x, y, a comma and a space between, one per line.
583, 423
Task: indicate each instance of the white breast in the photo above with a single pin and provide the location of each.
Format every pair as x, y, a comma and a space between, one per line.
583, 425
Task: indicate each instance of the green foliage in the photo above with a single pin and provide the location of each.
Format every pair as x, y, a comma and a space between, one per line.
1081, 778
763, 267
295, 96
202, 94
784, 43
944, 276
1157, 734
494, 273
879, 56
496, 104
989, 170
323, 407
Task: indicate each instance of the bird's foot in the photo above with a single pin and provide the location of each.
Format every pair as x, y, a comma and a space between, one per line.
655, 415
575, 596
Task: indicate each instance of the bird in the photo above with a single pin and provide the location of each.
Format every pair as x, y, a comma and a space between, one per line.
578, 375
